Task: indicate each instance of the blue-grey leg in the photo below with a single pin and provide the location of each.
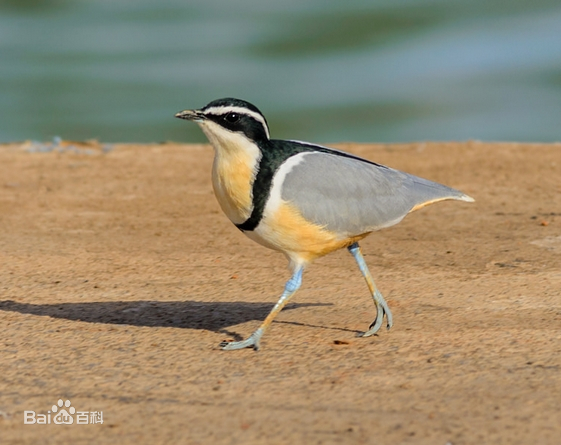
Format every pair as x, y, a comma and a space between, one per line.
290, 289
381, 305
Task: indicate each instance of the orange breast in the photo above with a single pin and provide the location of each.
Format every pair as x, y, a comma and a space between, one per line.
232, 180
288, 231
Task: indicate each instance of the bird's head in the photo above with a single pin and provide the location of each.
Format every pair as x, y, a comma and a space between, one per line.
226, 119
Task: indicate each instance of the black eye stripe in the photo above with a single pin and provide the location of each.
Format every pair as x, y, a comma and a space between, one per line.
248, 123
232, 117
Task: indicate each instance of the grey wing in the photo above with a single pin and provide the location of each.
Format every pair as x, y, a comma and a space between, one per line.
351, 196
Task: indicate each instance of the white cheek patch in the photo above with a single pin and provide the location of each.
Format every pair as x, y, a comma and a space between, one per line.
224, 140
216, 134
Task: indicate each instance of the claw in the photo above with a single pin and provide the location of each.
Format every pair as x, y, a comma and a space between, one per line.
251, 342
233, 345
382, 310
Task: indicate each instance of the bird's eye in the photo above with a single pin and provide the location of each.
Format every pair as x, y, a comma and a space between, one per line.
232, 117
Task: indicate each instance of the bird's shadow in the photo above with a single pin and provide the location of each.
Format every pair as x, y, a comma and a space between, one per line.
212, 316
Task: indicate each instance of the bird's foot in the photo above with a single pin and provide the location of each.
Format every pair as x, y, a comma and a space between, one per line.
251, 342
382, 309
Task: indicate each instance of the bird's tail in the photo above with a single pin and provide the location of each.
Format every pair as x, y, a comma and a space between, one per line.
427, 192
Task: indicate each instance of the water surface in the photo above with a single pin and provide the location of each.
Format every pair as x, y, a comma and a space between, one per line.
324, 71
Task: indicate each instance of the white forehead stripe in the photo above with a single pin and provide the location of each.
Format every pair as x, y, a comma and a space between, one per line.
239, 110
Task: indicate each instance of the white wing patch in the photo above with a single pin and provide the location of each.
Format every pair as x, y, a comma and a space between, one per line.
275, 199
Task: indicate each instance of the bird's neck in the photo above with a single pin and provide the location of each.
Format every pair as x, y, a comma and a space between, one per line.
235, 167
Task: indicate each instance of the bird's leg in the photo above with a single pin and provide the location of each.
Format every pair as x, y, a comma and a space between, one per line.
381, 305
290, 288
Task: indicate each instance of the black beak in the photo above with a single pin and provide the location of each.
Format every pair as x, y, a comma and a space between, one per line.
191, 115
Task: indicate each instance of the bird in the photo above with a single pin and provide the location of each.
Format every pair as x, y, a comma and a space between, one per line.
302, 199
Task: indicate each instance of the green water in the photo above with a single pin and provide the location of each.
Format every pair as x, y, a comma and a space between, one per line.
323, 71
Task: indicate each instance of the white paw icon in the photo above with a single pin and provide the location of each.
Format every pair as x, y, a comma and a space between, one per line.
63, 416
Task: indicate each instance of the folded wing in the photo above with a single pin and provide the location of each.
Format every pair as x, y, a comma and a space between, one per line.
351, 196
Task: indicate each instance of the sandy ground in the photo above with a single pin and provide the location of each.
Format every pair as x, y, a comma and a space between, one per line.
120, 276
